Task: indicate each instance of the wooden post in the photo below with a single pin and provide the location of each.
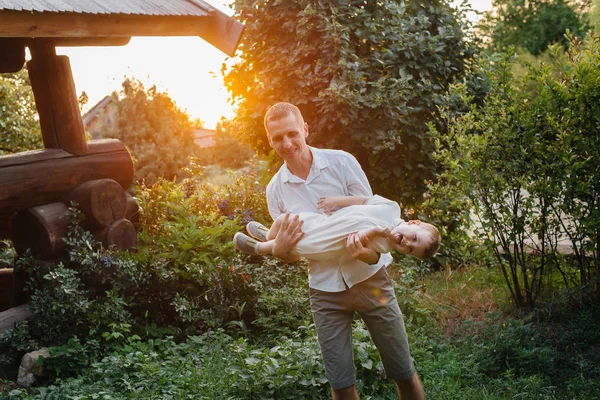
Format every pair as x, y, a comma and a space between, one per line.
56, 99
12, 54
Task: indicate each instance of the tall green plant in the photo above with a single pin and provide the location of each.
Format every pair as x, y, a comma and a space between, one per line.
527, 158
366, 75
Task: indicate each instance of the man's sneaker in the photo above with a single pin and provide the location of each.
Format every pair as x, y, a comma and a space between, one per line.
245, 243
257, 230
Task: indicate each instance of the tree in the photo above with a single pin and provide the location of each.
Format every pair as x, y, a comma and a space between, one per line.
158, 134
532, 25
19, 124
366, 75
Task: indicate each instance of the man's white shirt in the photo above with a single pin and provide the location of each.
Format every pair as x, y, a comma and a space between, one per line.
333, 173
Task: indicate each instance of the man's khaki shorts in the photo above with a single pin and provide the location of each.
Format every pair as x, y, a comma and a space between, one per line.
376, 303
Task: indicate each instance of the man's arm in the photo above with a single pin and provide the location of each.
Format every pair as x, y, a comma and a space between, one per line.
289, 234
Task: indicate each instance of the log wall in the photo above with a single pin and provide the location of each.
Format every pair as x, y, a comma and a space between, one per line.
44, 176
104, 204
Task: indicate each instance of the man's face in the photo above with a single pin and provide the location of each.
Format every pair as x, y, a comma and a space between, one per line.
287, 136
410, 238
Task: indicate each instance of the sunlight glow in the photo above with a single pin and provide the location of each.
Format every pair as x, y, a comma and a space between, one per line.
187, 68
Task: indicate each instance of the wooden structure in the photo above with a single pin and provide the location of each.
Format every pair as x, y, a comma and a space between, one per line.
36, 186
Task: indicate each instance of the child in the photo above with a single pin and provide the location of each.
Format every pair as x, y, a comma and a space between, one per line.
325, 234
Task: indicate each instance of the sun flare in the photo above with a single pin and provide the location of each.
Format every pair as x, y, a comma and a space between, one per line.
187, 68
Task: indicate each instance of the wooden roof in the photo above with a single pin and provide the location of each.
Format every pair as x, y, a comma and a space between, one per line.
113, 22
138, 7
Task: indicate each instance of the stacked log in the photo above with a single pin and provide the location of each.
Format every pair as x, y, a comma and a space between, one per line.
12, 315
6, 225
6, 285
37, 177
41, 229
104, 205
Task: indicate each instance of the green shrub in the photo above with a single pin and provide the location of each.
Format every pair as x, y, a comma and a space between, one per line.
526, 159
14, 343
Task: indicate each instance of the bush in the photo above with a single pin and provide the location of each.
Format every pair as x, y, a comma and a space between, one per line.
528, 164
184, 277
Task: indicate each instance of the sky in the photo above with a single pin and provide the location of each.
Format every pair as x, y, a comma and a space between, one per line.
187, 68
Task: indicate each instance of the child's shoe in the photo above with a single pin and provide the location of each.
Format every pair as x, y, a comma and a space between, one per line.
257, 230
245, 243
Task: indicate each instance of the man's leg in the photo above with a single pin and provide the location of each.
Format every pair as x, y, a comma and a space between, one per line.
383, 318
333, 316
347, 393
411, 388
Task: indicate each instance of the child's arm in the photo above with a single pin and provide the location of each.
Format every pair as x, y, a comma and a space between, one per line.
371, 233
328, 204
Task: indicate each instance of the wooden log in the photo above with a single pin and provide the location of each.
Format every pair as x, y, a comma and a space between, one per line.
6, 225
120, 234
41, 229
56, 99
12, 315
39, 177
12, 54
102, 201
133, 211
6, 288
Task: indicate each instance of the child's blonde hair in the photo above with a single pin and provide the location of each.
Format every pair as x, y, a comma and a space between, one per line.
434, 243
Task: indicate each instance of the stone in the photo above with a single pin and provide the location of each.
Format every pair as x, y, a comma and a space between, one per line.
29, 370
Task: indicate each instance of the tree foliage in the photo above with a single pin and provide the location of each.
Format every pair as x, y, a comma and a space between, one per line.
19, 124
366, 75
158, 134
528, 160
227, 151
533, 25
595, 15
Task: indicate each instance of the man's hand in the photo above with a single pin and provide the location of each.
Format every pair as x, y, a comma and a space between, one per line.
359, 247
289, 234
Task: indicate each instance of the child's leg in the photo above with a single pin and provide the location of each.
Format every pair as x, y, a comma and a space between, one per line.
265, 247
274, 229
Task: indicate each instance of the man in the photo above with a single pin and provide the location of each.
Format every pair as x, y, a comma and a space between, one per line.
337, 289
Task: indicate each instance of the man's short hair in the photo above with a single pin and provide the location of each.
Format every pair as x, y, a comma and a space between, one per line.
282, 110
434, 243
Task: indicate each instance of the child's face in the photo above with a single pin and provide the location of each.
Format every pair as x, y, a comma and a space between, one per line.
411, 238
